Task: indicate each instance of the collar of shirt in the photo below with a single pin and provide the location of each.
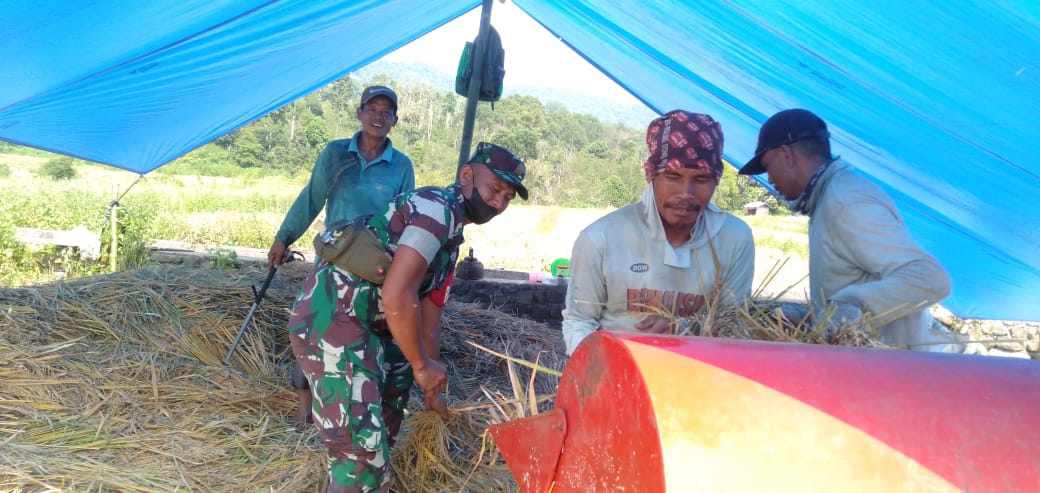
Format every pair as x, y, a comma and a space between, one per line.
707, 227
387, 154
801, 203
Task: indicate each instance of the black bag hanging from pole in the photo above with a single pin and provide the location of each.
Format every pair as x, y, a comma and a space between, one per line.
494, 69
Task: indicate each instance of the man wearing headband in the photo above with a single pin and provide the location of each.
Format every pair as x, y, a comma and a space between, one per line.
649, 266
862, 259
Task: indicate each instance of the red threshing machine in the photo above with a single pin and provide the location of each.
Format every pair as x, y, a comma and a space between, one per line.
640, 413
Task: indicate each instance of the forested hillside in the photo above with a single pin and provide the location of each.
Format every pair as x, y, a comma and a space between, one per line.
573, 159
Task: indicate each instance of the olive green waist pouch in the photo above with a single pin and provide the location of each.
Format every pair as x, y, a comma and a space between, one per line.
351, 246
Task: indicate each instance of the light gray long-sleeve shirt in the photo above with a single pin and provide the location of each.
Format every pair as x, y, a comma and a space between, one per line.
860, 252
623, 269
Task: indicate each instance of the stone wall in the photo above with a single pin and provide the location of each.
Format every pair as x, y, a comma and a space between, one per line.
1001, 338
511, 292
531, 300
1021, 339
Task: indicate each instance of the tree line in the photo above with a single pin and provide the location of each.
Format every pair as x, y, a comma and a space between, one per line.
573, 159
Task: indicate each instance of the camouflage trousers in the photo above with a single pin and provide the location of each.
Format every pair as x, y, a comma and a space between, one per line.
359, 382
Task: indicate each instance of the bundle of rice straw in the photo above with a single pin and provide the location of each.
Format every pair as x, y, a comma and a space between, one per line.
766, 319
485, 388
117, 383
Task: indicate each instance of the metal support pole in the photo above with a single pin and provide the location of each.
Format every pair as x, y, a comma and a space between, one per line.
113, 265
479, 48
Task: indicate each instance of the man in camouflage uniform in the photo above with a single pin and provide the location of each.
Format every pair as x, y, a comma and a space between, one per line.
361, 344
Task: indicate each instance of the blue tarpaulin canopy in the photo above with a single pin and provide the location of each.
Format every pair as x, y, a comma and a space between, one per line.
936, 102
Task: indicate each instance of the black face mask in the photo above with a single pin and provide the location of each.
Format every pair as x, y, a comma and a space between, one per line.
477, 210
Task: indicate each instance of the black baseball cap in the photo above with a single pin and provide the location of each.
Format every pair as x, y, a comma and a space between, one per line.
783, 128
372, 92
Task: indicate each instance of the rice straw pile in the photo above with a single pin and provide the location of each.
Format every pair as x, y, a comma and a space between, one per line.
766, 319
117, 383
483, 389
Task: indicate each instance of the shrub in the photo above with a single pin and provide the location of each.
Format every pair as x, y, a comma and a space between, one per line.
135, 230
224, 258
59, 169
21, 264
615, 192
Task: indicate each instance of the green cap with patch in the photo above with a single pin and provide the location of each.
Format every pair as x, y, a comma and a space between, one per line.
503, 163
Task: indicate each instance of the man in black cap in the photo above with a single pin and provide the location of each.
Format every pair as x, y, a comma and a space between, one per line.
862, 259
352, 177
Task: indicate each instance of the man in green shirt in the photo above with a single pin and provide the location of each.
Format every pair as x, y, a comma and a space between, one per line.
352, 177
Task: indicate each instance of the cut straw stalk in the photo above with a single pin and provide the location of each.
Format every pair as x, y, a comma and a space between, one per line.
534, 366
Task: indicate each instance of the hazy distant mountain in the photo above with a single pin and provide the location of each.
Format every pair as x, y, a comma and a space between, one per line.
635, 115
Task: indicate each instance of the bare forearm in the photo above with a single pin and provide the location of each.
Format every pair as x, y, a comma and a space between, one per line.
404, 319
431, 323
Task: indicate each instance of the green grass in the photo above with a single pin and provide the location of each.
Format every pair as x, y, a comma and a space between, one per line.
242, 211
788, 234
787, 245
791, 224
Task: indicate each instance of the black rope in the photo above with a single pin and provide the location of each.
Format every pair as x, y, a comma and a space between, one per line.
115, 202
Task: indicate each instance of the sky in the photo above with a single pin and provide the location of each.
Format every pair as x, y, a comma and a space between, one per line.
534, 57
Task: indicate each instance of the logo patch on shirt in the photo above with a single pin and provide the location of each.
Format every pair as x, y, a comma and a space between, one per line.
677, 303
640, 267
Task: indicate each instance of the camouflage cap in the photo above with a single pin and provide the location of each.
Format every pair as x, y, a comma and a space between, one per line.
503, 163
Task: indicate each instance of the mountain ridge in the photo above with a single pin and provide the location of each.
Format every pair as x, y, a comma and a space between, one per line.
635, 116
